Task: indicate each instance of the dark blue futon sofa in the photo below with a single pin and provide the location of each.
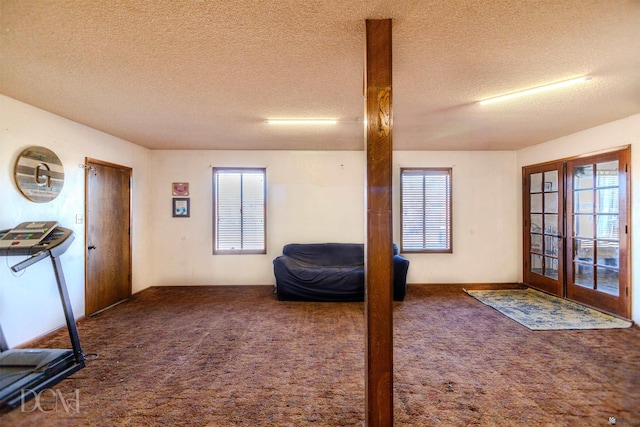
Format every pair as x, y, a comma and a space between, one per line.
329, 272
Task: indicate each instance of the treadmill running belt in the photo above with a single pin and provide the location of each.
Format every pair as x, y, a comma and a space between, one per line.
9, 376
31, 358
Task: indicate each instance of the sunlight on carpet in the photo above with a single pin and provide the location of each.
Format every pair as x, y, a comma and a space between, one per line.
540, 311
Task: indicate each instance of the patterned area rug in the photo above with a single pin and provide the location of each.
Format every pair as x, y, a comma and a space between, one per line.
540, 311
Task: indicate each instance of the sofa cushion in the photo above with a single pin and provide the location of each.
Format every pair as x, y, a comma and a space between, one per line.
326, 254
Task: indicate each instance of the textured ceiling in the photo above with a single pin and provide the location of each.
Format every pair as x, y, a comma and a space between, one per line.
185, 74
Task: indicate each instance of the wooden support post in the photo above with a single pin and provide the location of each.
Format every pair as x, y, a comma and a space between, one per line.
379, 232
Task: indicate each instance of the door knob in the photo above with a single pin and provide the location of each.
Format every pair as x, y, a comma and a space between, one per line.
91, 247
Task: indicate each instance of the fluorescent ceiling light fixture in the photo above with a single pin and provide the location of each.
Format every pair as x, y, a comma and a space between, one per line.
537, 89
302, 121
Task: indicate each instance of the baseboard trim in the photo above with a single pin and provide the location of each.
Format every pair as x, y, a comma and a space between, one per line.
33, 342
477, 286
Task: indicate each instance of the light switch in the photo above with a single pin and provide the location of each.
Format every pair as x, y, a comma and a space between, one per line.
79, 218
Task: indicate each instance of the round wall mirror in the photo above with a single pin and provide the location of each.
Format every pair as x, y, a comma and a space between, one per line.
39, 174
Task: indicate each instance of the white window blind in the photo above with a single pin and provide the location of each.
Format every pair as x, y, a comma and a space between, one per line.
239, 210
426, 209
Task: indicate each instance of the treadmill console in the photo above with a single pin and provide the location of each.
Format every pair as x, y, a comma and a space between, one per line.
27, 234
55, 242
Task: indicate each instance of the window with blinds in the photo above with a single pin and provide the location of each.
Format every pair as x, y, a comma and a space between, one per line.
425, 209
239, 211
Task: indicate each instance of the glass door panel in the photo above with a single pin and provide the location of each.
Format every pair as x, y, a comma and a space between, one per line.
551, 181
551, 267
607, 227
591, 231
596, 208
551, 202
607, 200
536, 183
608, 254
536, 264
551, 225
536, 203
536, 224
607, 279
583, 226
583, 275
544, 262
607, 174
583, 177
583, 250
551, 245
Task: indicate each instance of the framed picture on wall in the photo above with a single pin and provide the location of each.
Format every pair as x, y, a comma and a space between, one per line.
180, 189
181, 208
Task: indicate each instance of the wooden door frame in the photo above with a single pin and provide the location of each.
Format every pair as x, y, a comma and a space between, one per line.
87, 164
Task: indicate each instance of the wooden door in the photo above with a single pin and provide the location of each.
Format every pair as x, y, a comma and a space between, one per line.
108, 241
543, 221
597, 220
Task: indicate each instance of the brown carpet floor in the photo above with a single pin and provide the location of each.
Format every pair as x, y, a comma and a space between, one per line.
235, 356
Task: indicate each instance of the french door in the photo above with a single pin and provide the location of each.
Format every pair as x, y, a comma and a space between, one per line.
597, 220
576, 232
544, 227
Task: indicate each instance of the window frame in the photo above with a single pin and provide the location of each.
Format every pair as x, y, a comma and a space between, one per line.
215, 191
424, 171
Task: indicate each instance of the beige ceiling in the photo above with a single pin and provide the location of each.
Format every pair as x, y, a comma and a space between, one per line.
180, 74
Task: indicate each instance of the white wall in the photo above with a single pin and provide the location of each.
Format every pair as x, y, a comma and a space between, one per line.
616, 134
311, 197
29, 304
319, 197
485, 217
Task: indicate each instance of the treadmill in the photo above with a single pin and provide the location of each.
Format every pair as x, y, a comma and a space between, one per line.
26, 372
